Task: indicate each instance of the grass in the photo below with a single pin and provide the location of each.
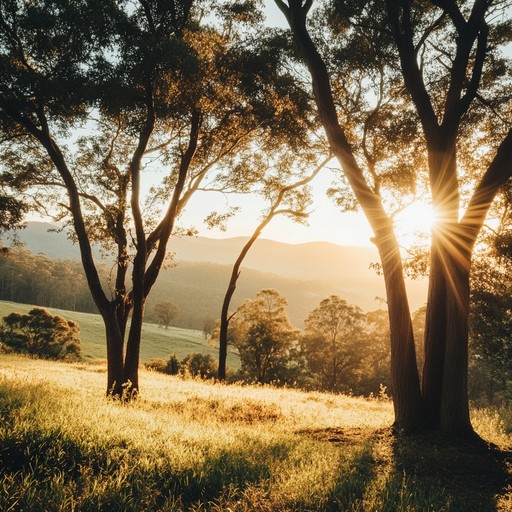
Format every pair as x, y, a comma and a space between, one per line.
199, 446
157, 342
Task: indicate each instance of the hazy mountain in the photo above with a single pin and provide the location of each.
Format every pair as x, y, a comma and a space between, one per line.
309, 271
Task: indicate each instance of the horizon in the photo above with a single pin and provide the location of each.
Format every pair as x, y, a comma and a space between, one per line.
213, 235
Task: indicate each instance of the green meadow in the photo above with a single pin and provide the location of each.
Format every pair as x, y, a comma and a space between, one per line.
189, 445
157, 342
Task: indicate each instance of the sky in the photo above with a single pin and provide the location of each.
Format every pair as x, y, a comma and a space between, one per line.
326, 222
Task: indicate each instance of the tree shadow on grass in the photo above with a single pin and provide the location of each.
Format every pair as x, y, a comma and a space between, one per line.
391, 472
473, 476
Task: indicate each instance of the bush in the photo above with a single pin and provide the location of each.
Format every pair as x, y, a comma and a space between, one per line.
171, 366
41, 334
157, 365
199, 365
195, 365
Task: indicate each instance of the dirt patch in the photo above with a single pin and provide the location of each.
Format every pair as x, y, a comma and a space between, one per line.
343, 436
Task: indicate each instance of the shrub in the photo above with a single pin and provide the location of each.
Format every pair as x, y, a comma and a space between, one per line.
157, 365
41, 334
199, 365
173, 365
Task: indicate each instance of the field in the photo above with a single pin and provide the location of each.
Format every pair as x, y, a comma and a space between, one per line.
157, 342
200, 446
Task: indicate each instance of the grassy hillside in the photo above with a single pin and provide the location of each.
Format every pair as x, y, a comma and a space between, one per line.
157, 342
198, 446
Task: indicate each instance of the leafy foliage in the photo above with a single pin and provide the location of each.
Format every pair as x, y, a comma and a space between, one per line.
491, 321
203, 366
196, 364
264, 336
331, 343
41, 334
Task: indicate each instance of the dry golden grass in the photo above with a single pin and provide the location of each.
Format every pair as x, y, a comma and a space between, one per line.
194, 445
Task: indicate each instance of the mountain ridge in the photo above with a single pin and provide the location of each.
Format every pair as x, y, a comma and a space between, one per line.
317, 266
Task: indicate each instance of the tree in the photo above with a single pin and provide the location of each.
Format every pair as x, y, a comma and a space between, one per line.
41, 334
154, 85
35, 279
373, 373
208, 326
166, 312
332, 342
278, 195
12, 212
459, 51
444, 113
407, 398
264, 335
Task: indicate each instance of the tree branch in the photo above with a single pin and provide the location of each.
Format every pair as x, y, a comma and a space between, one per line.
496, 175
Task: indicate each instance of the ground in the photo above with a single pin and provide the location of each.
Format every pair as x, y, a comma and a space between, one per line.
194, 445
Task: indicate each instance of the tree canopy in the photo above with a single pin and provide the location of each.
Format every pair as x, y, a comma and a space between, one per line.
41, 334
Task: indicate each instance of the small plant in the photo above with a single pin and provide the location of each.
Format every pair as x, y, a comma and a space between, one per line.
156, 365
173, 365
199, 365
41, 334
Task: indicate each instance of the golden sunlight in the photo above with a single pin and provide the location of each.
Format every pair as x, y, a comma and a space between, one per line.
414, 224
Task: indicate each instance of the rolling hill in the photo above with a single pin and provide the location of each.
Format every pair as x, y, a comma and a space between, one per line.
304, 273
190, 445
157, 342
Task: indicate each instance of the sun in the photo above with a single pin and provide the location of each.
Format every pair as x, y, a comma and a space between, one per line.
414, 224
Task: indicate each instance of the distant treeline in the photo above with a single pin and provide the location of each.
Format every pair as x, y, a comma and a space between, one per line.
35, 279
197, 289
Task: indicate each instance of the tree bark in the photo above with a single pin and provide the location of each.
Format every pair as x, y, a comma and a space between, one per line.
224, 315
407, 403
131, 361
434, 341
406, 387
224, 326
115, 366
454, 407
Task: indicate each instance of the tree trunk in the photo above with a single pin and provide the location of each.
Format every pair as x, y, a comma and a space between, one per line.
445, 382
131, 361
224, 325
407, 402
235, 274
434, 342
404, 372
115, 369
454, 407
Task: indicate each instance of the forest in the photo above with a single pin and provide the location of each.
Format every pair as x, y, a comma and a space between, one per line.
118, 116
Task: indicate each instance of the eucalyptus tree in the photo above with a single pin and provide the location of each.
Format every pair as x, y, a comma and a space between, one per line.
286, 194
448, 56
332, 342
465, 39
351, 69
264, 335
89, 106
166, 311
490, 347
